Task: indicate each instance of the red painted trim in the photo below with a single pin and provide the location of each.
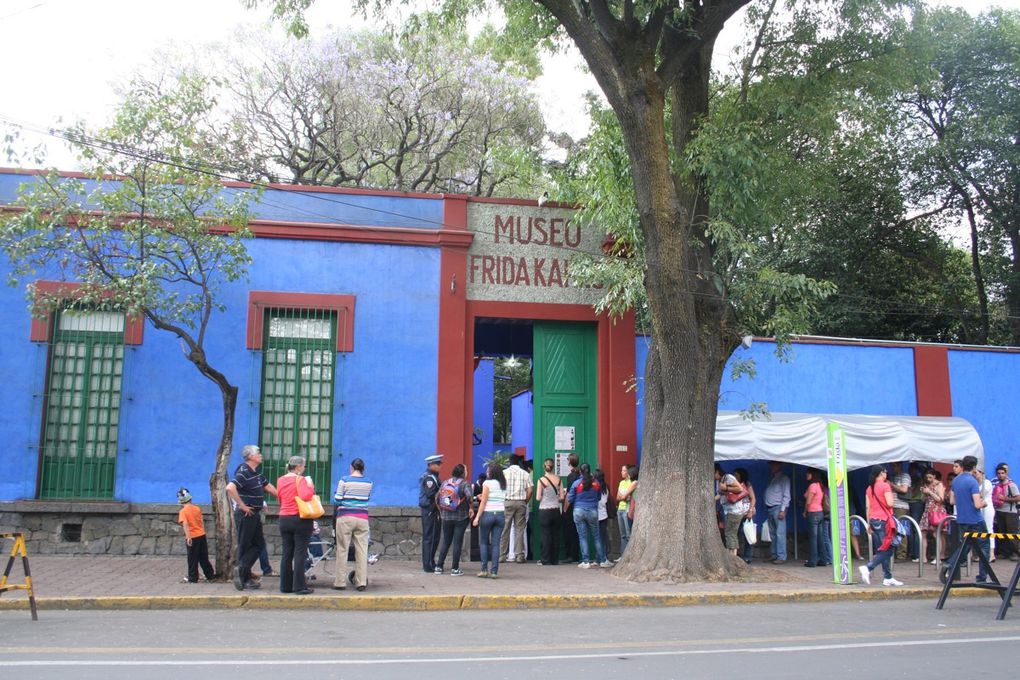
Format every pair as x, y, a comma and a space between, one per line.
41, 329
343, 305
619, 357
359, 234
931, 379
616, 406
522, 201
453, 388
808, 340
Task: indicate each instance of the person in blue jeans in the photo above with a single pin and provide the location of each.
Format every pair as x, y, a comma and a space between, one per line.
881, 526
584, 497
490, 520
965, 494
777, 502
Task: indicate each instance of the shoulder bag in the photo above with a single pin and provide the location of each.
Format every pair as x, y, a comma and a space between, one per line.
310, 509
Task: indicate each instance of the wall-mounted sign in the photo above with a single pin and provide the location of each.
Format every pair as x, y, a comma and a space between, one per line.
522, 253
564, 438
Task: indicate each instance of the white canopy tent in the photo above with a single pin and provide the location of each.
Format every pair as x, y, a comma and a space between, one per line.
801, 438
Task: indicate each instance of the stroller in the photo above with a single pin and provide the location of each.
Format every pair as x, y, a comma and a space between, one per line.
323, 551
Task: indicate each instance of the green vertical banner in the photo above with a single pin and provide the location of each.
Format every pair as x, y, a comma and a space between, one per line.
839, 514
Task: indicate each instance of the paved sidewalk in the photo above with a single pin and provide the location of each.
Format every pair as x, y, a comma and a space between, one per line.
108, 582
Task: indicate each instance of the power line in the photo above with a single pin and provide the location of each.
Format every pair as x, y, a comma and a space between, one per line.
219, 173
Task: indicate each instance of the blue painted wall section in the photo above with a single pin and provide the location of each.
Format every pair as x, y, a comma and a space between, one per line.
485, 389
171, 416
522, 409
318, 206
813, 379
986, 391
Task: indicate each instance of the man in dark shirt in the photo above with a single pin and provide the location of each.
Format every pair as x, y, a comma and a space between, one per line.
428, 487
246, 490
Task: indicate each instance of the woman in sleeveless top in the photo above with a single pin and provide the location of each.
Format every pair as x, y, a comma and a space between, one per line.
550, 499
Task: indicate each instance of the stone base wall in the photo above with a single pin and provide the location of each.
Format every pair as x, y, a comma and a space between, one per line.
109, 528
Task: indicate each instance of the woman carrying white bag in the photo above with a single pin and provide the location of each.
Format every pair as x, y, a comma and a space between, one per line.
749, 532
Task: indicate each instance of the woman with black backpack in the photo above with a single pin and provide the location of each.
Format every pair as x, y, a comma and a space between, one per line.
454, 500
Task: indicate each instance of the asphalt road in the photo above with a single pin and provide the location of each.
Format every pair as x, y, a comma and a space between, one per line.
890, 639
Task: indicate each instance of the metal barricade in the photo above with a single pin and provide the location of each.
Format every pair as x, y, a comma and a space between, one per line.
19, 549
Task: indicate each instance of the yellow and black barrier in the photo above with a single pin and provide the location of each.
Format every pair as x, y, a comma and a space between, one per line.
950, 575
19, 549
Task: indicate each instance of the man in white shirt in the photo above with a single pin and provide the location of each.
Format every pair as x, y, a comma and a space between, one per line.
518, 492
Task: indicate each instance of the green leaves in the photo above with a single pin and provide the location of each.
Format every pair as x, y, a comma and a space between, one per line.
151, 231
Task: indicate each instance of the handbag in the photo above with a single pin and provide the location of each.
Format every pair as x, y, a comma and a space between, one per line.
734, 496
935, 518
311, 509
750, 531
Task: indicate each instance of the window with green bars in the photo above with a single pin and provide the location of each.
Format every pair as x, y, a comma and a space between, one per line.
296, 413
82, 405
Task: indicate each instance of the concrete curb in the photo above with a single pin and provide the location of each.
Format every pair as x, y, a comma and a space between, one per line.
448, 602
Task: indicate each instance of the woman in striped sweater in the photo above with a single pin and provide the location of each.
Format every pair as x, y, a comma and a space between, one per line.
351, 499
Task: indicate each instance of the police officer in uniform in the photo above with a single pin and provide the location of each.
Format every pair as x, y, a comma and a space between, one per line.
428, 487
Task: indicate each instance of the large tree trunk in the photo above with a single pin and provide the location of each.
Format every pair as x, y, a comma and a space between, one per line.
223, 518
675, 536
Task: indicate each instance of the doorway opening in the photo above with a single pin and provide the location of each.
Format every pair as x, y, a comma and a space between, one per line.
502, 390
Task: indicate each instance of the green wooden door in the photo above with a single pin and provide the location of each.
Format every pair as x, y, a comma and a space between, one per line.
565, 392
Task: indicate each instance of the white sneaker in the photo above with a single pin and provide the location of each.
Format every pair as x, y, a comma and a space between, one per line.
606, 565
891, 582
584, 565
865, 574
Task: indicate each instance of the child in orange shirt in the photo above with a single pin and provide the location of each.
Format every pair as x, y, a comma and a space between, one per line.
190, 517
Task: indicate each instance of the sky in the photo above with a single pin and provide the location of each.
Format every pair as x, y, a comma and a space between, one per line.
62, 59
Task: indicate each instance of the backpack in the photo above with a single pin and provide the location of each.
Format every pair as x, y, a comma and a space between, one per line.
1000, 492
449, 497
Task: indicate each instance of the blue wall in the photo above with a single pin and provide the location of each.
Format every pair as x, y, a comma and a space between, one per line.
813, 379
485, 390
522, 411
986, 391
171, 416
322, 205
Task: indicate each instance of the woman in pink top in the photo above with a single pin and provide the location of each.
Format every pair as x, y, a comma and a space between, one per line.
815, 516
294, 531
881, 526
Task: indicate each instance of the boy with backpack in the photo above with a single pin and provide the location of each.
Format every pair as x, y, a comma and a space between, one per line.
190, 517
455, 511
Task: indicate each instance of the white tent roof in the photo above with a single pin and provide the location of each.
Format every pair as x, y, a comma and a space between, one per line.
801, 438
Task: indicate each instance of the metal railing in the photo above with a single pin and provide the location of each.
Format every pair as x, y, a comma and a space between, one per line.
920, 544
892, 560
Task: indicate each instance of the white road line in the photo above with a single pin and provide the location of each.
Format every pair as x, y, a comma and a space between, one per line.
530, 658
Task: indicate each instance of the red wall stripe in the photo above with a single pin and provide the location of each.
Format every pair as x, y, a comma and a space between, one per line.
453, 427
931, 380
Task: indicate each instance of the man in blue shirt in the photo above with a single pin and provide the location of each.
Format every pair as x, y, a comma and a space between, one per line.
966, 497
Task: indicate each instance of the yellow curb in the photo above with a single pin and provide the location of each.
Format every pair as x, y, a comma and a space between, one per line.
333, 601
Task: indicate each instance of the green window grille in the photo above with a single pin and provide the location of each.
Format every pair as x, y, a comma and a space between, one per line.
296, 414
82, 405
